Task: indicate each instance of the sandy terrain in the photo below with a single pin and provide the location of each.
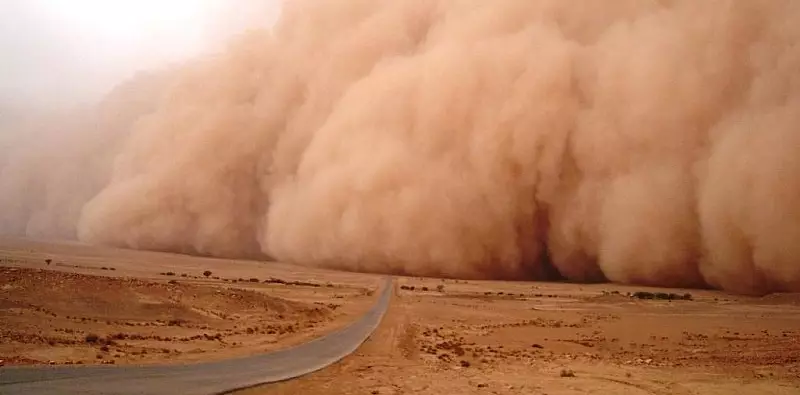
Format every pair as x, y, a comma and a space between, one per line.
72, 304
440, 336
543, 338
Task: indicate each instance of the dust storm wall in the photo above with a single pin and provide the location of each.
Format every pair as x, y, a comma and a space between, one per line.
647, 142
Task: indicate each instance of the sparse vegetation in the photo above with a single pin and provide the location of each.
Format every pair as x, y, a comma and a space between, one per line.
254, 280
440, 287
172, 282
660, 295
207, 273
92, 338
273, 280
567, 373
48, 261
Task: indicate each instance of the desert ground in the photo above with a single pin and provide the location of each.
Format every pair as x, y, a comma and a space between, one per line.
64, 303
73, 304
471, 337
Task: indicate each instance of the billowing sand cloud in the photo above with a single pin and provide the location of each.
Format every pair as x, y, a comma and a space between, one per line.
649, 142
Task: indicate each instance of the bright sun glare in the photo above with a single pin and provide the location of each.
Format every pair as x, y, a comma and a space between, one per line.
126, 19
85, 47
105, 41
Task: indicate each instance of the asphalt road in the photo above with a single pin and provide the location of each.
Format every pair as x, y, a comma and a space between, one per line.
198, 378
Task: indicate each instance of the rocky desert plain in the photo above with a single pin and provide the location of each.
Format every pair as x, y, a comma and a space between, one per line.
481, 337
67, 303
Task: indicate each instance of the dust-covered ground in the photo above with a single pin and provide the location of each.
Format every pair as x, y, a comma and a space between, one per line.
539, 338
72, 304
439, 336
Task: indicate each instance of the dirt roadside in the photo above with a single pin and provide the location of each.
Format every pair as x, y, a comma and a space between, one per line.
524, 338
82, 305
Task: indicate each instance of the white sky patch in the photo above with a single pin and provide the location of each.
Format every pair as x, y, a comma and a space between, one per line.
59, 52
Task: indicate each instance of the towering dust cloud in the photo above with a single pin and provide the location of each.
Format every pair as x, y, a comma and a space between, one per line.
642, 141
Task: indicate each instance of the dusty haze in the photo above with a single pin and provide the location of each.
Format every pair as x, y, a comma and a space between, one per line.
648, 142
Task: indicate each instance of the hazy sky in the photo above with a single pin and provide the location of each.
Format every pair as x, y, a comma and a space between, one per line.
57, 52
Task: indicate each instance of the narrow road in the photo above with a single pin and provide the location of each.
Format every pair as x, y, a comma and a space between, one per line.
201, 378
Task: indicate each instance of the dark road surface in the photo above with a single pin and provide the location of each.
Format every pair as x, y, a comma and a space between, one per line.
199, 378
